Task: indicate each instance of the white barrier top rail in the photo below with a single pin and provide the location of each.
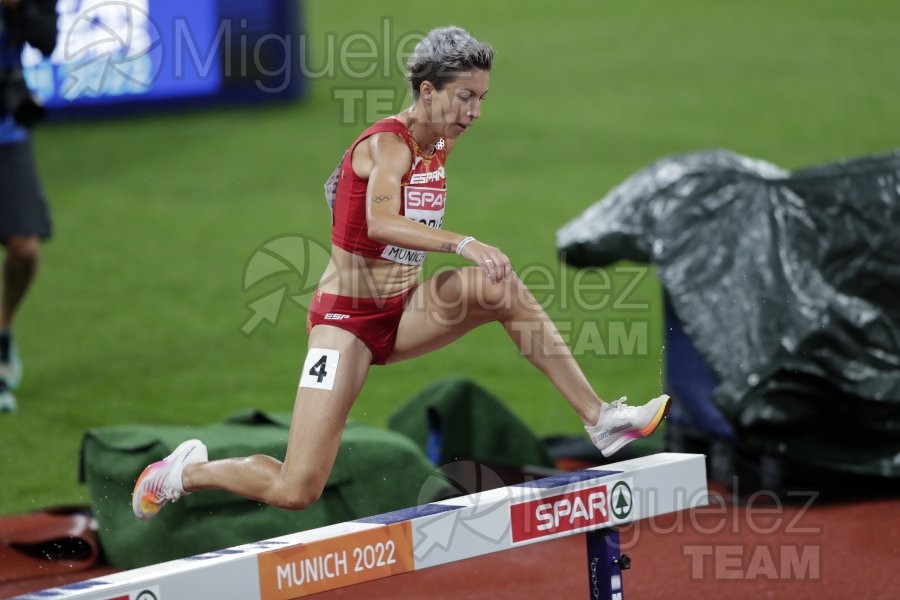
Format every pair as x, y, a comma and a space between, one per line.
327, 558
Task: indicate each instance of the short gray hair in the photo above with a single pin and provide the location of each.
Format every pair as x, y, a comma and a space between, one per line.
443, 54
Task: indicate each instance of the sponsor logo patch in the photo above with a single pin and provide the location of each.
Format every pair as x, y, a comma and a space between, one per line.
425, 199
559, 514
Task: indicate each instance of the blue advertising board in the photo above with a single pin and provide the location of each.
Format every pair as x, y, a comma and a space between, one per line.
115, 55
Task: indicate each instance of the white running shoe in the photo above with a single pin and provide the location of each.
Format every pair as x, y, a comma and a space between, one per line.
620, 423
10, 363
7, 400
160, 483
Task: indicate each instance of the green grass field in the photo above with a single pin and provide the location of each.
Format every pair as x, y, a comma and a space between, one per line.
136, 316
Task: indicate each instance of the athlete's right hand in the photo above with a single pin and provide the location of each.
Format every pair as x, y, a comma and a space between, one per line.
493, 262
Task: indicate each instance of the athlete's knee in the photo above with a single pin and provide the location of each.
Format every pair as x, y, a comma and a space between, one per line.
298, 499
503, 299
23, 251
299, 494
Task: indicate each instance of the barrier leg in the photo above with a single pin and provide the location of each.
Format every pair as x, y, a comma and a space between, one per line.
605, 564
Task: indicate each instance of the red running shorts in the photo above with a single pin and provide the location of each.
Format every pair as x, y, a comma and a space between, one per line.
372, 320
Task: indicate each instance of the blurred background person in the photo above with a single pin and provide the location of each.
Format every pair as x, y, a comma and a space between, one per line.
24, 214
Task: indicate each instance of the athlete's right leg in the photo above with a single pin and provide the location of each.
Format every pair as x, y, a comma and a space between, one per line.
339, 365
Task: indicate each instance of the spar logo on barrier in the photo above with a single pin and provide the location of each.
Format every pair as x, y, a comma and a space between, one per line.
621, 500
148, 593
571, 511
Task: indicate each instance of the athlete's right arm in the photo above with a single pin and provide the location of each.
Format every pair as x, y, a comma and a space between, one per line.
390, 161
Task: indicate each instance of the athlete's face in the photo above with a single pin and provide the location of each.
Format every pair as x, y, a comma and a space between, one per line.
455, 107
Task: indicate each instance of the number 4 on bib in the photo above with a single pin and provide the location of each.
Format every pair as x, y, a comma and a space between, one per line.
319, 369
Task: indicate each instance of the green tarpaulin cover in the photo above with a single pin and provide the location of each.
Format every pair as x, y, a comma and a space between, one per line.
376, 471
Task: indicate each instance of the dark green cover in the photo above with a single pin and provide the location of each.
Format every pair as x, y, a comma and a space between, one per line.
474, 424
376, 471
787, 285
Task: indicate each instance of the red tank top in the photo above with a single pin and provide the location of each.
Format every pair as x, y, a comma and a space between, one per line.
423, 194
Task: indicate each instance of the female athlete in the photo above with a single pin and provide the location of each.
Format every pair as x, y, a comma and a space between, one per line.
388, 197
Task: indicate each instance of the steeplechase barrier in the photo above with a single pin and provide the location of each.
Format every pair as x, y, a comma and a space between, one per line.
592, 502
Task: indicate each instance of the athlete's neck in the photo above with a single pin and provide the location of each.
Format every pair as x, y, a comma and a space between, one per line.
425, 138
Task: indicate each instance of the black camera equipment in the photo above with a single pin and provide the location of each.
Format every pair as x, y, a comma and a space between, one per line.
32, 21
17, 100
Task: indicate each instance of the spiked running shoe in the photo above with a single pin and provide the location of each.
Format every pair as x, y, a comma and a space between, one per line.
160, 483
620, 424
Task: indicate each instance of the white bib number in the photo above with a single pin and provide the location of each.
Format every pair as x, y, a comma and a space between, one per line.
423, 205
319, 369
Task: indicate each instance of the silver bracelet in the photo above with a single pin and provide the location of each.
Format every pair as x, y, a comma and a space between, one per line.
465, 241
